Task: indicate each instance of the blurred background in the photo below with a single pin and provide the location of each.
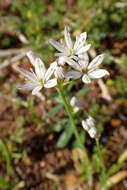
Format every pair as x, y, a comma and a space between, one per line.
35, 143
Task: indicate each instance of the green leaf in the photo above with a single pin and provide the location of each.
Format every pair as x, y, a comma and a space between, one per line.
65, 136
17, 136
83, 92
54, 111
59, 126
4, 148
4, 184
82, 138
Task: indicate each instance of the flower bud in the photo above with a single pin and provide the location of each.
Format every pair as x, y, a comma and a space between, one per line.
89, 126
61, 61
59, 73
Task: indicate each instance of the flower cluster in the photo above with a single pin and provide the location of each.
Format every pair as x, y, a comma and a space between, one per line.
72, 62
73, 57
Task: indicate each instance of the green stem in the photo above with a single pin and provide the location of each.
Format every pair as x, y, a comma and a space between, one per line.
69, 112
68, 109
102, 166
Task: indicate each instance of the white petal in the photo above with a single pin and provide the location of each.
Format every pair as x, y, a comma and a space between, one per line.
50, 83
90, 121
61, 60
86, 79
73, 100
39, 68
59, 72
96, 61
58, 46
36, 90
93, 132
74, 57
83, 49
76, 102
80, 41
61, 54
83, 61
76, 109
73, 64
98, 73
73, 74
67, 38
28, 86
83, 56
27, 74
50, 70
31, 57
85, 126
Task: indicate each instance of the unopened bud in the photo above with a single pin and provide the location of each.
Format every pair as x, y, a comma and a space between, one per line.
89, 126
61, 60
59, 72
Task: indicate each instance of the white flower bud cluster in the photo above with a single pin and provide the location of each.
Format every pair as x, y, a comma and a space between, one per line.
89, 126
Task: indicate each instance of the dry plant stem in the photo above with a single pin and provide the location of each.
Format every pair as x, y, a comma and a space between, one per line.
69, 112
102, 166
12, 60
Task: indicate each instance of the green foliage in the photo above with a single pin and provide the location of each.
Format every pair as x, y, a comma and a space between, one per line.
58, 127
4, 183
54, 111
102, 19
83, 91
115, 167
30, 105
65, 136
19, 155
17, 137
6, 154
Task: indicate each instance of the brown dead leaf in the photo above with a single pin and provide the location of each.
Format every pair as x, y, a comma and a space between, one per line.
115, 122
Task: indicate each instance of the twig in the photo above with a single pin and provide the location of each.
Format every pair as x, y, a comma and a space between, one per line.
12, 60
22, 38
52, 177
10, 52
117, 178
105, 93
121, 4
103, 87
40, 96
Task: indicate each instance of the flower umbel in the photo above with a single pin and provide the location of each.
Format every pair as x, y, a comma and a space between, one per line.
40, 78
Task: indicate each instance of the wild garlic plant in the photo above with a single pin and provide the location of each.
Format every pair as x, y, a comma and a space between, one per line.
72, 63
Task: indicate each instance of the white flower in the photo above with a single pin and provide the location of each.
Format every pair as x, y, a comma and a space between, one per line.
40, 78
90, 71
76, 104
70, 50
89, 126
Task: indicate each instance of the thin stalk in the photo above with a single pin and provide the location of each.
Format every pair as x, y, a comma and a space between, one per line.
102, 166
75, 130
69, 112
